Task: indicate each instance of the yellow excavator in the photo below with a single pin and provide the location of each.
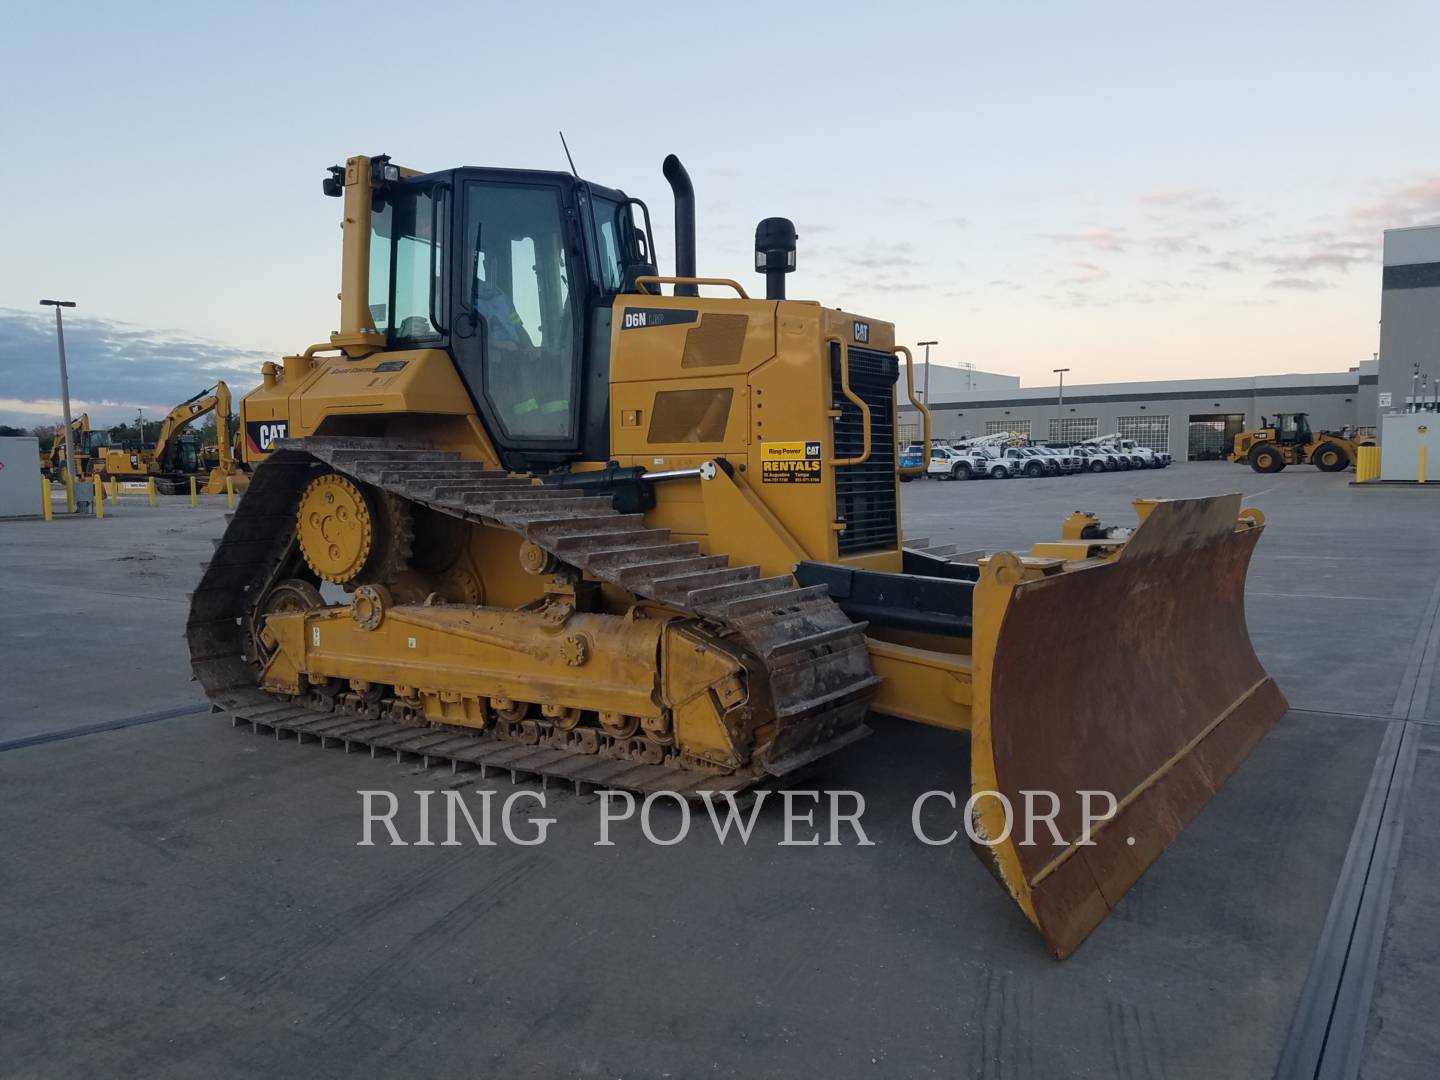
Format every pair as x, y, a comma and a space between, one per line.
589, 529
87, 445
174, 458
1288, 440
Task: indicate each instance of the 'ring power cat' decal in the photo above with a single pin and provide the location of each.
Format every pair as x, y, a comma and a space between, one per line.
790, 463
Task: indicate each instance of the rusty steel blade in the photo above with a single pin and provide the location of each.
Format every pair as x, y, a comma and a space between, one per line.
1134, 677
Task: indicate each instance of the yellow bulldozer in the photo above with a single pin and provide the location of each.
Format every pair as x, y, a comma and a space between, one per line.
1289, 441
175, 458
530, 512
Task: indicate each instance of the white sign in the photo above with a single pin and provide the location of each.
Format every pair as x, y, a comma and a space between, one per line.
1384, 399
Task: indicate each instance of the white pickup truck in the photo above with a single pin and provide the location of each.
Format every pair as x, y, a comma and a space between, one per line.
948, 463
1154, 459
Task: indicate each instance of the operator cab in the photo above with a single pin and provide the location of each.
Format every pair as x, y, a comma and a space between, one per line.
514, 273
1292, 428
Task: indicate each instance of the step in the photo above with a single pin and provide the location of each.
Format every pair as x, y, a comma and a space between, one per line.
725, 575
522, 508
810, 641
719, 595
373, 458
652, 553
777, 602
608, 541
645, 574
547, 530
426, 474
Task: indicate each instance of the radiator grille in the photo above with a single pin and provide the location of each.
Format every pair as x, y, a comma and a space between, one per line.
865, 495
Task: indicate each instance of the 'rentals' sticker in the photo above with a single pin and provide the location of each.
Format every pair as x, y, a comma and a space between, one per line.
790, 463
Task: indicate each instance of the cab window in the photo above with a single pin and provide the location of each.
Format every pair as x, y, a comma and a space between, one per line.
607, 241
405, 263
518, 284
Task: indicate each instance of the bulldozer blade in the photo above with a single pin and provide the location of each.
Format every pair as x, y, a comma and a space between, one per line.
1133, 677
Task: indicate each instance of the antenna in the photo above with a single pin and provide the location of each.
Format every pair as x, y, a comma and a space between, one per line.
568, 157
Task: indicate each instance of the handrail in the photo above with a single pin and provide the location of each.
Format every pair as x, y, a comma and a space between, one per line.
657, 279
855, 400
924, 410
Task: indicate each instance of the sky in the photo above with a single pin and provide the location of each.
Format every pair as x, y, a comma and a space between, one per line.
1132, 191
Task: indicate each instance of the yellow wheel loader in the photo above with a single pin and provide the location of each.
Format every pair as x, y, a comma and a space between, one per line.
527, 511
1289, 441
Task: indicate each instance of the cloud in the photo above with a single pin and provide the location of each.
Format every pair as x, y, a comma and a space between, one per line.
1416, 203
1088, 274
114, 367
1178, 245
1098, 237
1298, 284
1320, 250
1225, 266
1193, 200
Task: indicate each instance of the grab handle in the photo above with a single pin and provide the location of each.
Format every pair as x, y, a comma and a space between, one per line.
923, 409
855, 400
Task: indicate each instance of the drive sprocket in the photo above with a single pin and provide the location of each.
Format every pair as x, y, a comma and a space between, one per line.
349, 534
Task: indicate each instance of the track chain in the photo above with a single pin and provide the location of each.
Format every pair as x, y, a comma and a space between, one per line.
811, 668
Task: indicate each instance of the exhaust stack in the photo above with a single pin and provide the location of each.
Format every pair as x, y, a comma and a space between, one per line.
684, 222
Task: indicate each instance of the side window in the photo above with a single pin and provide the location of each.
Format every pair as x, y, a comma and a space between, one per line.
607, 238
403, 254
413, 285
382, 224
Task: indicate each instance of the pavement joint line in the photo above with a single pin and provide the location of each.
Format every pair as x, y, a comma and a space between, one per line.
1422, 655
1327, 1036
1343, 714
1314, 596
81, 731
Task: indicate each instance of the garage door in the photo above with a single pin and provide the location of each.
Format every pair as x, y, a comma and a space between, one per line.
1213, 434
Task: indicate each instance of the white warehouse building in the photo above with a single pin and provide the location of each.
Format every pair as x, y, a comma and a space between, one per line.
1192, 419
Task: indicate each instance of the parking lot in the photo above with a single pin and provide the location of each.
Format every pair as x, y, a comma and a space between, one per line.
178, 898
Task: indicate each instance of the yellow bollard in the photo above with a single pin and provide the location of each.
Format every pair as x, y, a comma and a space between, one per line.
230, 492
1367, 463
150, 490
194, 499
99, 497
45, 507
1420, 473
114, 491
69, 492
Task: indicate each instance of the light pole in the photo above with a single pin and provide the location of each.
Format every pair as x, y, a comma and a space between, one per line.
64, 388
926, 392
1060, 399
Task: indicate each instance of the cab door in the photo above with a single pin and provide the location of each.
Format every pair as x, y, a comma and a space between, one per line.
519, 298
